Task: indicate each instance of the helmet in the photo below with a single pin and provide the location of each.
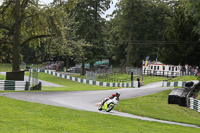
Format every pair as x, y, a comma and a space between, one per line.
117, 94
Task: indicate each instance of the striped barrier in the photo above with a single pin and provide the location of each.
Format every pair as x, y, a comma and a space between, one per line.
13, 85
38, 70
176, 84
194, 104
91, 82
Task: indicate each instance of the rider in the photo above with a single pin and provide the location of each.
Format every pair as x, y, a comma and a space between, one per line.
117, 94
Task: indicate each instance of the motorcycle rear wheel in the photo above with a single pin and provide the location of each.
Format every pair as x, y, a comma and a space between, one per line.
110, 108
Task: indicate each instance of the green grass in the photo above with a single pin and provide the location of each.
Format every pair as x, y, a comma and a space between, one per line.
2, 77
198, 96
146, 79
151, 79
23, 117
156, 106
5, 67
69, 85
183, 78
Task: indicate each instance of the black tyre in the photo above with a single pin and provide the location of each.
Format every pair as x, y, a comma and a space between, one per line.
100, 108
110, 108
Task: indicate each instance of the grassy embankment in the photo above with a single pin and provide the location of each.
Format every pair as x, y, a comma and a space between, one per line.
20, 116
5, 67
183, 78
68, 84
198, 96
146, 79
156, 106
2, 77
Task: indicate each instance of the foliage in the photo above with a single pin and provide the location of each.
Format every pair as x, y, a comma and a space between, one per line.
32, 25
181, 39
136, 29
156, 106
90, 27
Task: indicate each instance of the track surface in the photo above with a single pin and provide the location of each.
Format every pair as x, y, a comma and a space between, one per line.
88, 100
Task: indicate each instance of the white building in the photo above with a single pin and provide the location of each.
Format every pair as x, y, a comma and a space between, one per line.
156, 68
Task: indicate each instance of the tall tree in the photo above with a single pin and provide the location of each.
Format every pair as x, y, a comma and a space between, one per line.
181, 37
26, 22
137, 28
90, 26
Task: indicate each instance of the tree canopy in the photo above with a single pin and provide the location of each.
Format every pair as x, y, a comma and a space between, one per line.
75, 30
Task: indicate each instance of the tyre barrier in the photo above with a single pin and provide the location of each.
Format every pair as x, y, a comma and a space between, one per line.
13, 85
179, 96
91, 82
194, 104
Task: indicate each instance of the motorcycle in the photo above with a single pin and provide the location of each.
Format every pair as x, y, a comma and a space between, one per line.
109, 105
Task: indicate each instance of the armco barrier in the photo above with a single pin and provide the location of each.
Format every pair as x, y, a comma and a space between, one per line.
176, 84
91, 82
13, 85
194, 104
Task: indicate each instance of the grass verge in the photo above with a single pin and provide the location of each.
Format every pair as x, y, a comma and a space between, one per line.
2, 77
156, 106
20, 116
198, 96
69, 85
183, 78
146, 79
5, 67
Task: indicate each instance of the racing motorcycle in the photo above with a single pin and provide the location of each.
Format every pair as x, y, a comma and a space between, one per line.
108, 105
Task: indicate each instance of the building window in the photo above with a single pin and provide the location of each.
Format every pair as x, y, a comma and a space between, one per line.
172, 68
163, 68
169, 68
151, 67
154, 67
176, 68
157, 67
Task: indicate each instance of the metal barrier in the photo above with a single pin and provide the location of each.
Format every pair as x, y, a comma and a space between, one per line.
194, 104
13, 85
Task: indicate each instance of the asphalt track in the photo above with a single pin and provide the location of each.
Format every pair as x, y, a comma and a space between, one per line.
89, 100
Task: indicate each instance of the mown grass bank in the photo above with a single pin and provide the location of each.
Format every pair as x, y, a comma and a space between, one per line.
69, 85
2, 77
121, 77
183, 78
5, 67
20, 116
198, 96
156, 106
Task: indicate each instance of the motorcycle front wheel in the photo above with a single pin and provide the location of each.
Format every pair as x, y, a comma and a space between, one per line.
100, 108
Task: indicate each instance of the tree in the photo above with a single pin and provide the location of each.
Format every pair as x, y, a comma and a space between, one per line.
181, 38
137, 29
90, 26
26, 22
